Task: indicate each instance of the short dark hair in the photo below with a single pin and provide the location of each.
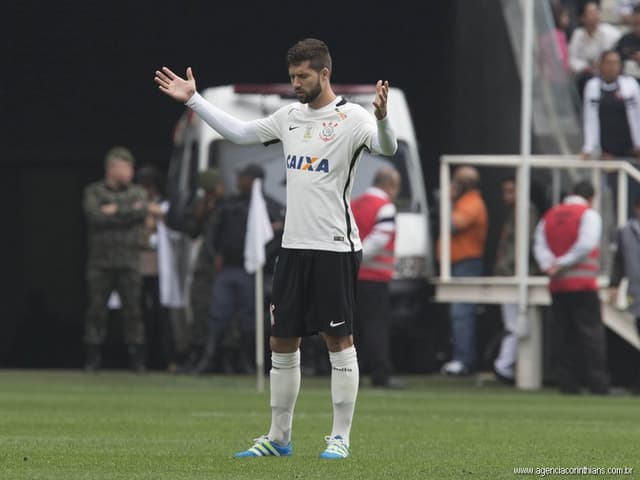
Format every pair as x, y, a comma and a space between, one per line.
150, 176
558, 9
583, 8
252, 171
312, 49
606, 53
508, 178
636, 9
584, 189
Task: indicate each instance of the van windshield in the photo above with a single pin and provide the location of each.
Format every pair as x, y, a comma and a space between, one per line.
230, 158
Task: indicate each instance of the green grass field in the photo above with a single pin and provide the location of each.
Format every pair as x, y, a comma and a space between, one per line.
114, 425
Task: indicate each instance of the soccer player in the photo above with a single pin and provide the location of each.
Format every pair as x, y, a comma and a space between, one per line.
315, 279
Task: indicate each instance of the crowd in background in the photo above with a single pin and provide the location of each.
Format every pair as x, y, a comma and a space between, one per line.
603, 63
186, 317
207, 324
199, 317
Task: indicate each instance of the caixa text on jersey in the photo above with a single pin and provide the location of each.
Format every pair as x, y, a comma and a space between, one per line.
305, 162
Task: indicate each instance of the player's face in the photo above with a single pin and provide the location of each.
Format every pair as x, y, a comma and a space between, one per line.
305, 81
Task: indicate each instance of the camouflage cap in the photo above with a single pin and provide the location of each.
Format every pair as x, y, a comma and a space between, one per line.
209, 179
120, 153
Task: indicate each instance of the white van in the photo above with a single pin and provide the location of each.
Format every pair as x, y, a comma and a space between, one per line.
198, 147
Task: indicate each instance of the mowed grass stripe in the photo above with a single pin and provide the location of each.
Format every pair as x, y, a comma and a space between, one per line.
68, 425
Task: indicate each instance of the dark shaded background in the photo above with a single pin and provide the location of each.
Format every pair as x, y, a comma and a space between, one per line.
78, 78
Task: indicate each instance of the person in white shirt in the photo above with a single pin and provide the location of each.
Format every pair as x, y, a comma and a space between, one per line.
315, 279
612, 120
611, 112
625, 10
588, 42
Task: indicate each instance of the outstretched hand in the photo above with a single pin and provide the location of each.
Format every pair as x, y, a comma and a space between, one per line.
175, 86
380, 102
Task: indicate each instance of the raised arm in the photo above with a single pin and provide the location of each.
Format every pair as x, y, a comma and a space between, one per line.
384, 140
231, 128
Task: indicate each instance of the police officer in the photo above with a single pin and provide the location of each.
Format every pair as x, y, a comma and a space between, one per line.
115, 209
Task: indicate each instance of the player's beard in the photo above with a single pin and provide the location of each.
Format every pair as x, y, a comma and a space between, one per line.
309, 97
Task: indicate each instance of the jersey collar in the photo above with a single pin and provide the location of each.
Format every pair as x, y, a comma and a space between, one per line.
339, 100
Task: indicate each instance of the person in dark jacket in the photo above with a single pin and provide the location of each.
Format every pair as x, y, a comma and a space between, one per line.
233, 295
115, 210
198, 224
629, 46
626, 264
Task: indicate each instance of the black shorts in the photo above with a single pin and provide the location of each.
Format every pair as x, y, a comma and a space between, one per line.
314, 291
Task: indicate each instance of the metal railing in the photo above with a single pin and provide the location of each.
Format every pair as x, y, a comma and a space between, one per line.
528, 291
623, 168
555, 109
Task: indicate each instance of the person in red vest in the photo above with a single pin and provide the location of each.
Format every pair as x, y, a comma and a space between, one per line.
566, 249
375, 213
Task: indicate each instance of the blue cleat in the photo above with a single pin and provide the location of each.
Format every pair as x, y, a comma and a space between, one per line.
263, 447
336, 448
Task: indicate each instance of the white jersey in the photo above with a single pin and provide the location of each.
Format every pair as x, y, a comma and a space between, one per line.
322, 149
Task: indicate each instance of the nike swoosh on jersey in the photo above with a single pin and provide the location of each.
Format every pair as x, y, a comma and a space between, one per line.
293, 127
332, 324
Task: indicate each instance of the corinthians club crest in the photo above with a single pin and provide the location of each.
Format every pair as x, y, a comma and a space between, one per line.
328, 131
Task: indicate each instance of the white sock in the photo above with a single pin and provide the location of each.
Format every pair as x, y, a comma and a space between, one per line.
285, 384
345, 376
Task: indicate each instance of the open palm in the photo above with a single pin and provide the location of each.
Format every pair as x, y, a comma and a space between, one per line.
175, 86
380, 102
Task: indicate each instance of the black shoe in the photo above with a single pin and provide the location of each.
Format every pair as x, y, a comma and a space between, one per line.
207, 359
137, 359
612, 392
503, 378
390, 383
570, 391
94, 358
243, 364
205, 365
192, 361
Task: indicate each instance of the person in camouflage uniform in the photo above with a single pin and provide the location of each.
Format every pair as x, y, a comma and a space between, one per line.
504, 365
199, 224
115, 210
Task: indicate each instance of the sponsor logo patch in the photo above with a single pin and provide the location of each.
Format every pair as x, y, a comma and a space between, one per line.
308, 163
